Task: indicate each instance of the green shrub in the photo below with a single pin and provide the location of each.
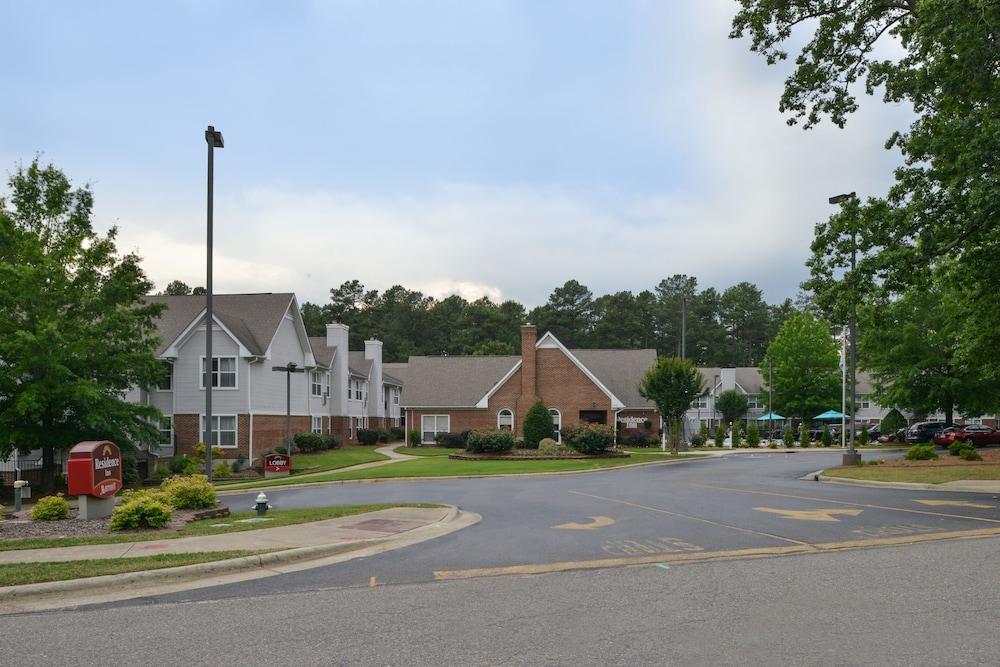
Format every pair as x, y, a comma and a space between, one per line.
788, 437
720, 436
697, 440
548, 443
130, 470
179, 464
307, 441
590, 438
804, 438
221, 469
240, 463
384, 436
956, 447
161, 471
892, 422
826, 438
367, 436
736, 436
194, 492
414, 437
143, 510
637, 438
199, 451
537, 425
970, 454
863, 436
921, 453
773, 444
453, 440
50, 508
490, 440
753, 435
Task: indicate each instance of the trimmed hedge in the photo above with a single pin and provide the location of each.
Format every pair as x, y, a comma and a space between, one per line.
490, 440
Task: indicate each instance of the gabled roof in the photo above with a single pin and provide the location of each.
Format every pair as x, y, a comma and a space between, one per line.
358, 366
467, 382
324, 355
253, 319
452, 382
394, 374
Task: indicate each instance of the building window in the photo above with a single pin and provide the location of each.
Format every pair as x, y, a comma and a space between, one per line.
167, 431
317, 424
357, 389
431, 425
167, 381
556, 424
223, 430
864, 402
505, 420
316, 383
752, 402
700, 403
223, 372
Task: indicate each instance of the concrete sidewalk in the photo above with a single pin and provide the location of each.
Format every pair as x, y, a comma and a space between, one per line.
299, 546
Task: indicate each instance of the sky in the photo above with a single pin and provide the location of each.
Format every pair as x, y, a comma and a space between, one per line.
492, 148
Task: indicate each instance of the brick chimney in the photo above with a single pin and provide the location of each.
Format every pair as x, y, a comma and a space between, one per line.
529, 370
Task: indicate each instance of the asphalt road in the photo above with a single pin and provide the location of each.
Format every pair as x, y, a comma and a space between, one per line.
732, 561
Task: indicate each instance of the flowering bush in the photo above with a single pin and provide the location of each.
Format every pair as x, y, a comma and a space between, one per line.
589, 438
490, 440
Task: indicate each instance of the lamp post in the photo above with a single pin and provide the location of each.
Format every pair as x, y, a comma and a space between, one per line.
214, 140
288, 369
851, 457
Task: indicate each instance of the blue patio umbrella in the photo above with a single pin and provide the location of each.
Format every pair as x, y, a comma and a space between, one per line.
830, 414
769, 416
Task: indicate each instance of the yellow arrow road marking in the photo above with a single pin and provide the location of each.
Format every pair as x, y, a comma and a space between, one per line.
599, 522
810, 515
957, 503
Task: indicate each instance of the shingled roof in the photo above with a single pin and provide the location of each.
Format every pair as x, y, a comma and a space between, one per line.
253, 318
463, 381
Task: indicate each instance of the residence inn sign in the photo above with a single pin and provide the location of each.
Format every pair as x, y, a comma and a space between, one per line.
95, 469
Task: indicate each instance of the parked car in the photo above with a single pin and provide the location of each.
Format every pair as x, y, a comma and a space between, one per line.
978, 435
924, 431
898, 436
946, 436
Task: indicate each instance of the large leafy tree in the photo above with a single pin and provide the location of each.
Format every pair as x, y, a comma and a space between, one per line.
915, 360
75, 333
805, 368
733, 405
747, 319
939, 216
672, 384
568, 314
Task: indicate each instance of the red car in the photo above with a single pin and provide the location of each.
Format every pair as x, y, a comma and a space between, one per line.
978, 435
947, 436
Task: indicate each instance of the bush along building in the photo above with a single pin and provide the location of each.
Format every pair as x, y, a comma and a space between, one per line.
255, 337
453, 394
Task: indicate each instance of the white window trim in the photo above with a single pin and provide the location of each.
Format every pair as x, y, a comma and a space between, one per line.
556, 424
424, 431
317, 424
500, 414
217, 432
167, 432
315, 383
219, 387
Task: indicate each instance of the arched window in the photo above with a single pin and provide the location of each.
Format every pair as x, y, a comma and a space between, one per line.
556, 424
505, 420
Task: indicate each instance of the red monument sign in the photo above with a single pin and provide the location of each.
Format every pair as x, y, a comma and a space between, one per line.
95, 469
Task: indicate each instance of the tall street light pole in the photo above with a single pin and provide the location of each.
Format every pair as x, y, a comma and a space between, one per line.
214, 140
288, 369
852, 457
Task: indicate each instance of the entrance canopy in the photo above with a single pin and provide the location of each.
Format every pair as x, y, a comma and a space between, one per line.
830, 414
770, 416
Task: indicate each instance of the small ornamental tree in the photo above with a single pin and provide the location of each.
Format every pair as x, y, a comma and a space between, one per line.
789, 437
753, 435
672, 384
736, 436
537, 425
732, 404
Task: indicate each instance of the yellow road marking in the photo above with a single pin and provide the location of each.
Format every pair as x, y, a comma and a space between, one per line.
599, 522
810, 515
688, 516
957, 503
843, 502
708, 556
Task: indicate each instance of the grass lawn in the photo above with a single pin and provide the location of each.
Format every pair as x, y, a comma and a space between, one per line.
230, 524
17, 574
